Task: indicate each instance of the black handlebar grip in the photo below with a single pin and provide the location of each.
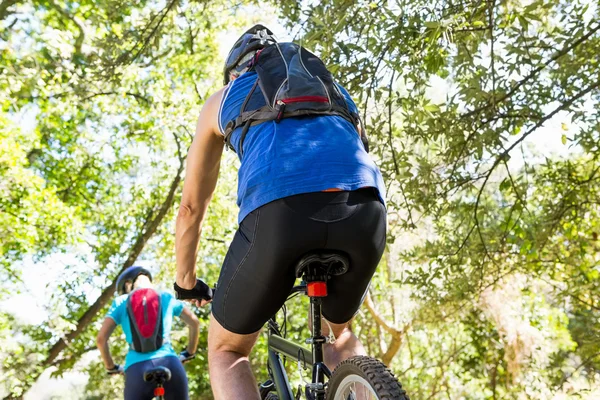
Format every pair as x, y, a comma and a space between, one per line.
200, 292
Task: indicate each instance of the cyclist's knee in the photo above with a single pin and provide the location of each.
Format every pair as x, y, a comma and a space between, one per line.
337, 329
221, 340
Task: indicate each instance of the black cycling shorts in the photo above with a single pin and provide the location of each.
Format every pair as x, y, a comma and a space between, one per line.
258, 272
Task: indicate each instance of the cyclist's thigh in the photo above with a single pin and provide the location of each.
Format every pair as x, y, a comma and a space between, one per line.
177, 387
258, 271
363, 237
135, 387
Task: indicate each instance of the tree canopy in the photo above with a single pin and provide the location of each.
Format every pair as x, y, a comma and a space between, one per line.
482, 115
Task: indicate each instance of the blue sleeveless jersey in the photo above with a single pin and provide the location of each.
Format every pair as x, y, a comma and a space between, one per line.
296, 155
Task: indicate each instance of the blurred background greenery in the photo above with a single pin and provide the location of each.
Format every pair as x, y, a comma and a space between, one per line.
484, 118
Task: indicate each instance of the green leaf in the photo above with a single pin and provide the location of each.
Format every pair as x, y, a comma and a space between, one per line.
432, 24
432, 107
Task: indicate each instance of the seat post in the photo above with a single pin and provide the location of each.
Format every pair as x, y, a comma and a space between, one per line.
318, 374
316, 283
317, 336
315, 268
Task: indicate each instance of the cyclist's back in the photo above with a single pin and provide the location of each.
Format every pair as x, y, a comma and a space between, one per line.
295, 155
298, 190
305, 183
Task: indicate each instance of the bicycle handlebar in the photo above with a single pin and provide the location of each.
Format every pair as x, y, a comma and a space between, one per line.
116, 370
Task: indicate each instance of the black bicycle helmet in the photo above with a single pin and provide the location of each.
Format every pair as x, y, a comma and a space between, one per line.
252, 40
130, 275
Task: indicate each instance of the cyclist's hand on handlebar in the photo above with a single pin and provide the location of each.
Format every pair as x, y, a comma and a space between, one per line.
199, 303
201, 294
186, 356
116, 370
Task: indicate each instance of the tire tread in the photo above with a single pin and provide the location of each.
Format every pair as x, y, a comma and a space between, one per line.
376, 373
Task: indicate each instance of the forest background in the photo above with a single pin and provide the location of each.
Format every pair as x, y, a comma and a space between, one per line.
483, 116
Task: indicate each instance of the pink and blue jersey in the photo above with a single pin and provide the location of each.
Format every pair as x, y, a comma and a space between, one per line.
171, 307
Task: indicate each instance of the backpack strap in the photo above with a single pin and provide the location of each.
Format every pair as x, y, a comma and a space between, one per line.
253, 117
264, 114
239, 121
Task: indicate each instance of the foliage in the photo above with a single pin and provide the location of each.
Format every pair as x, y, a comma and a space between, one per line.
114, 89
489, 286
455, 95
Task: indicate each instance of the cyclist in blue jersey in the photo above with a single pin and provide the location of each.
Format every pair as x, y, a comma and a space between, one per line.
137, 362
305, 182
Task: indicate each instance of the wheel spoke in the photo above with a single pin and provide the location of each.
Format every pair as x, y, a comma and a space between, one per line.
355, 388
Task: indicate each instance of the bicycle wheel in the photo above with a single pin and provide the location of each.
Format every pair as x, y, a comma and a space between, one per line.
364, 378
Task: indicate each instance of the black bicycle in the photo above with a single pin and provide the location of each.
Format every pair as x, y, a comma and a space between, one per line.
357, 378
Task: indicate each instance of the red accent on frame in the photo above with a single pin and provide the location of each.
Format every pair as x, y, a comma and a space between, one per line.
159, 391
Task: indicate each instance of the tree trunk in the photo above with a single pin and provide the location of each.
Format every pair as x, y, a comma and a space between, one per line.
4, 5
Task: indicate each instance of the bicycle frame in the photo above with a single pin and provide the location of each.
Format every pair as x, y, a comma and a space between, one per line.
313, 359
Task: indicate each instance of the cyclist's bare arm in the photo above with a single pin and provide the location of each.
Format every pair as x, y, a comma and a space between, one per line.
108, 326
194, 329
202, 171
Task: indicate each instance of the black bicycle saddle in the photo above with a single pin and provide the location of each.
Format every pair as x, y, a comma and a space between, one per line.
158, 375
333, 263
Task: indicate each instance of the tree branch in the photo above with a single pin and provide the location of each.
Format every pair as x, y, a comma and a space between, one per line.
4, 5
143, 237
491, 5
394, 158
151, 35
537, 70
585, 362
502, 156
138, 96
78, 24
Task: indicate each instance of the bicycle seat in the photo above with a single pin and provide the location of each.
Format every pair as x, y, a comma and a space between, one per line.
158, 375
332, 263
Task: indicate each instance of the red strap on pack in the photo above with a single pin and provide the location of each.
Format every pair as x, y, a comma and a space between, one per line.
317, 289
301, 99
